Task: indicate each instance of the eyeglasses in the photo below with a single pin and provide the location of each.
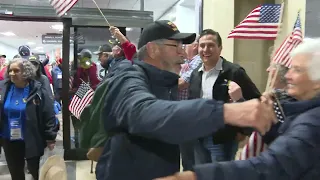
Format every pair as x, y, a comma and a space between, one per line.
179, 47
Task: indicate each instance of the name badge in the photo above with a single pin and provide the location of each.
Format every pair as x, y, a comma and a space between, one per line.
15, 129
59, 76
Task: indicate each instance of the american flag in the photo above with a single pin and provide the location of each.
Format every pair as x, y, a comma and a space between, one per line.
254, 147
282, 55
81, 99
261, 23
62, 6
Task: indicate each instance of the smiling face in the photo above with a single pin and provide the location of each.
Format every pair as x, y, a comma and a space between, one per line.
209, 50
299, 84
15, 73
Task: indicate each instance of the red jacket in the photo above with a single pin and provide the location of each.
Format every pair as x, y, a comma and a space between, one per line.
3, 73
46, 68
87, 75
129, 49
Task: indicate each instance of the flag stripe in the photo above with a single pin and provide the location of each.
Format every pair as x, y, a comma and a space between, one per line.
81, 99
62, 6
254, 147
261, 23
282, 55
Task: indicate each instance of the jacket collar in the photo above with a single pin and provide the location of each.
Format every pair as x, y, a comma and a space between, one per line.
5, 84
34, 85
218, 66
156, 75
292, 108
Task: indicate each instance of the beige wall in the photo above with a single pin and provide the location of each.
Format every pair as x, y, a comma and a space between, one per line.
219, 16
253, 55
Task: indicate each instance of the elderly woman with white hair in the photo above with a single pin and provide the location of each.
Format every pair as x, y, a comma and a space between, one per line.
27, 119
295, 153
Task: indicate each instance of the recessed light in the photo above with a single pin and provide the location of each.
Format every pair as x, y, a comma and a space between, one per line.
31, 43
58, 27
8, 33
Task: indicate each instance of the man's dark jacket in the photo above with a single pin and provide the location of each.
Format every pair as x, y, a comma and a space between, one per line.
233, 72
147, 125
40, 118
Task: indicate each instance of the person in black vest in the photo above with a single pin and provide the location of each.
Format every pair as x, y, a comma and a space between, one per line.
210, 81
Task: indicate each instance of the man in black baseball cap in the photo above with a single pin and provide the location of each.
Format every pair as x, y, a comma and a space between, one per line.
104, 54
164, 29
143, 118
164, 41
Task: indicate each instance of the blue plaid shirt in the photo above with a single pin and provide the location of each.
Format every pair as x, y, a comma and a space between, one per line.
185, 74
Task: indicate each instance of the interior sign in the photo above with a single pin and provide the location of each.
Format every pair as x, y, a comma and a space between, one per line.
57, 39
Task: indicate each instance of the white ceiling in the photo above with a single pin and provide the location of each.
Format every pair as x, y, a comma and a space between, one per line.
158, 7
27, 32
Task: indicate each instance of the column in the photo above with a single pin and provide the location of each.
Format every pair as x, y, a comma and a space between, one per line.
219, 16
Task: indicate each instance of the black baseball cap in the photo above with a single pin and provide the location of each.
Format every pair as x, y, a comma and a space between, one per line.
164, 29
85, 53
103, 48
34, 58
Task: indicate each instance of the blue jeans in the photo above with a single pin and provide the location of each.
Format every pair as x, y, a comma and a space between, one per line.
187, 155
221, 152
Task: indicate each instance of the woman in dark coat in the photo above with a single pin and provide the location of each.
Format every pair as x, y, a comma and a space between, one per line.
295, 153
27, 119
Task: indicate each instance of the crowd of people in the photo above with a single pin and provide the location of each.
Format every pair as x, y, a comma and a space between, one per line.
173, 97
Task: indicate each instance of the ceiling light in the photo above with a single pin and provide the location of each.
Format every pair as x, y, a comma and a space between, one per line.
128, 29
31, 43
38, 48
58, 27
8, 33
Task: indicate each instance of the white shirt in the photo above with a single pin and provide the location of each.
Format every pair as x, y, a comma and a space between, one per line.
208, 79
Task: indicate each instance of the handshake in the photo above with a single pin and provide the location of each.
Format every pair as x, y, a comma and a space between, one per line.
256, 113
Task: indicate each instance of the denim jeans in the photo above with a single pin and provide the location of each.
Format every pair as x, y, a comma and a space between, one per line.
187, 155
221, 152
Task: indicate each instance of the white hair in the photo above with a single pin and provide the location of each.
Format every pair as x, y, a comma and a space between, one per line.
310, 46
142, 52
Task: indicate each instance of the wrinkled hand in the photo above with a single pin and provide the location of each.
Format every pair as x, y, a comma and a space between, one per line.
187, 175
253, 113
234, 91
51, 145
114, 31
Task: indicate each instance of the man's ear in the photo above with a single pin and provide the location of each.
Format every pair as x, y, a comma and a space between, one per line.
152, 50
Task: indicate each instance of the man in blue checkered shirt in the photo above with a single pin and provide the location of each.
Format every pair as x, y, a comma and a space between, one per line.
193, 60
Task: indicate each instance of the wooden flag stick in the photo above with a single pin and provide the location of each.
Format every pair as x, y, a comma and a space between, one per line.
101, 13
270, 78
